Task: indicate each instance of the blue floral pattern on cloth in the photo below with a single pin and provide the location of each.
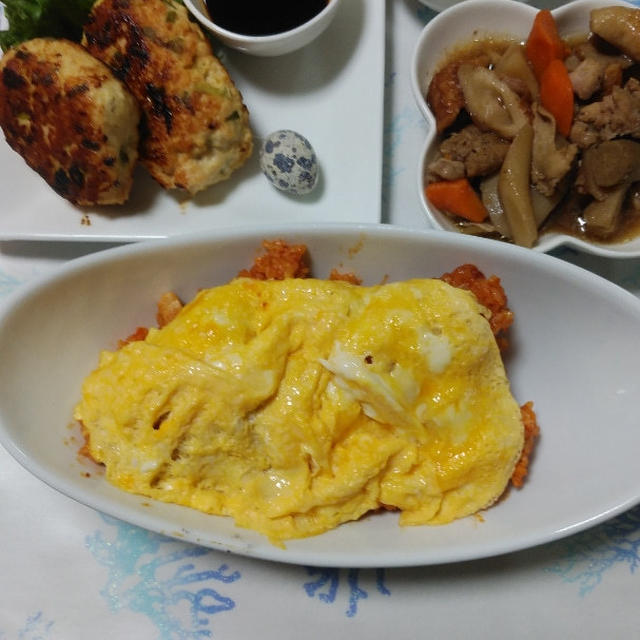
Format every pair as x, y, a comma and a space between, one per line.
407, 122
585, 558
326, 585
36, 627
177, 597
8, 283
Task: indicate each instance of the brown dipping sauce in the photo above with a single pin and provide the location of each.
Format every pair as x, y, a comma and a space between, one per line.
262, 18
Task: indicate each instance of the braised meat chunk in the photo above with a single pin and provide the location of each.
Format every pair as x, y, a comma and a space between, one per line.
620, 25
472, 151
617, 114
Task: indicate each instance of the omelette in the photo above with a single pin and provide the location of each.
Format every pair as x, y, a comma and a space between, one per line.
296, 405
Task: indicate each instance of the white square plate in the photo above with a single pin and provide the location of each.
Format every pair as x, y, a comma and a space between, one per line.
331, 91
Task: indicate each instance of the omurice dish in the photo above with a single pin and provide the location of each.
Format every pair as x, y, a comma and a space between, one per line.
296, 405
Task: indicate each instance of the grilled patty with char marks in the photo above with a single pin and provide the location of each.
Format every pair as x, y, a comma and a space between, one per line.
195, 126
70, 119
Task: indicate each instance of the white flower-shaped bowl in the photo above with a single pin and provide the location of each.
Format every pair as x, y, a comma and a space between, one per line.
475, 19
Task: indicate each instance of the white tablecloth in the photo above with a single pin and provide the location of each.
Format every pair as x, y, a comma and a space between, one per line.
68, 572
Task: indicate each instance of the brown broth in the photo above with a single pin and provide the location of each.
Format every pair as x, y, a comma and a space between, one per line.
568, 219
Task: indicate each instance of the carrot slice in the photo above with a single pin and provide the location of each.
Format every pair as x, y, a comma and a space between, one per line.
457, 197
556, 95
544, 43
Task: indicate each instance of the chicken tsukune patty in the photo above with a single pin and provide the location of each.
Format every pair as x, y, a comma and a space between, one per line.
195, 125
70, 119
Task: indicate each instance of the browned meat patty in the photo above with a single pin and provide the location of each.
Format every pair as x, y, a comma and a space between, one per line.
196, 127
71, 120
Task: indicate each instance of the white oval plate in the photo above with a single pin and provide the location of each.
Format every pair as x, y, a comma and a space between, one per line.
473, 18
575, 353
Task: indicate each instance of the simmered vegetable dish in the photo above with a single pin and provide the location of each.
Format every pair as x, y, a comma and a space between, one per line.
542, 134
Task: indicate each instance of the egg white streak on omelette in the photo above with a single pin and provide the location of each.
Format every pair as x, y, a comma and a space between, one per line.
297, 405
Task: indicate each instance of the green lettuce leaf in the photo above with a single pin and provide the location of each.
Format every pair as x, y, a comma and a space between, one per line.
41, 18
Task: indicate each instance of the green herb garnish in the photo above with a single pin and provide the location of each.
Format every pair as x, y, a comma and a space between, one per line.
44, 18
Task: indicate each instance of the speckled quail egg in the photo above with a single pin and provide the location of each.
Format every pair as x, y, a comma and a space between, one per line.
289, 162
